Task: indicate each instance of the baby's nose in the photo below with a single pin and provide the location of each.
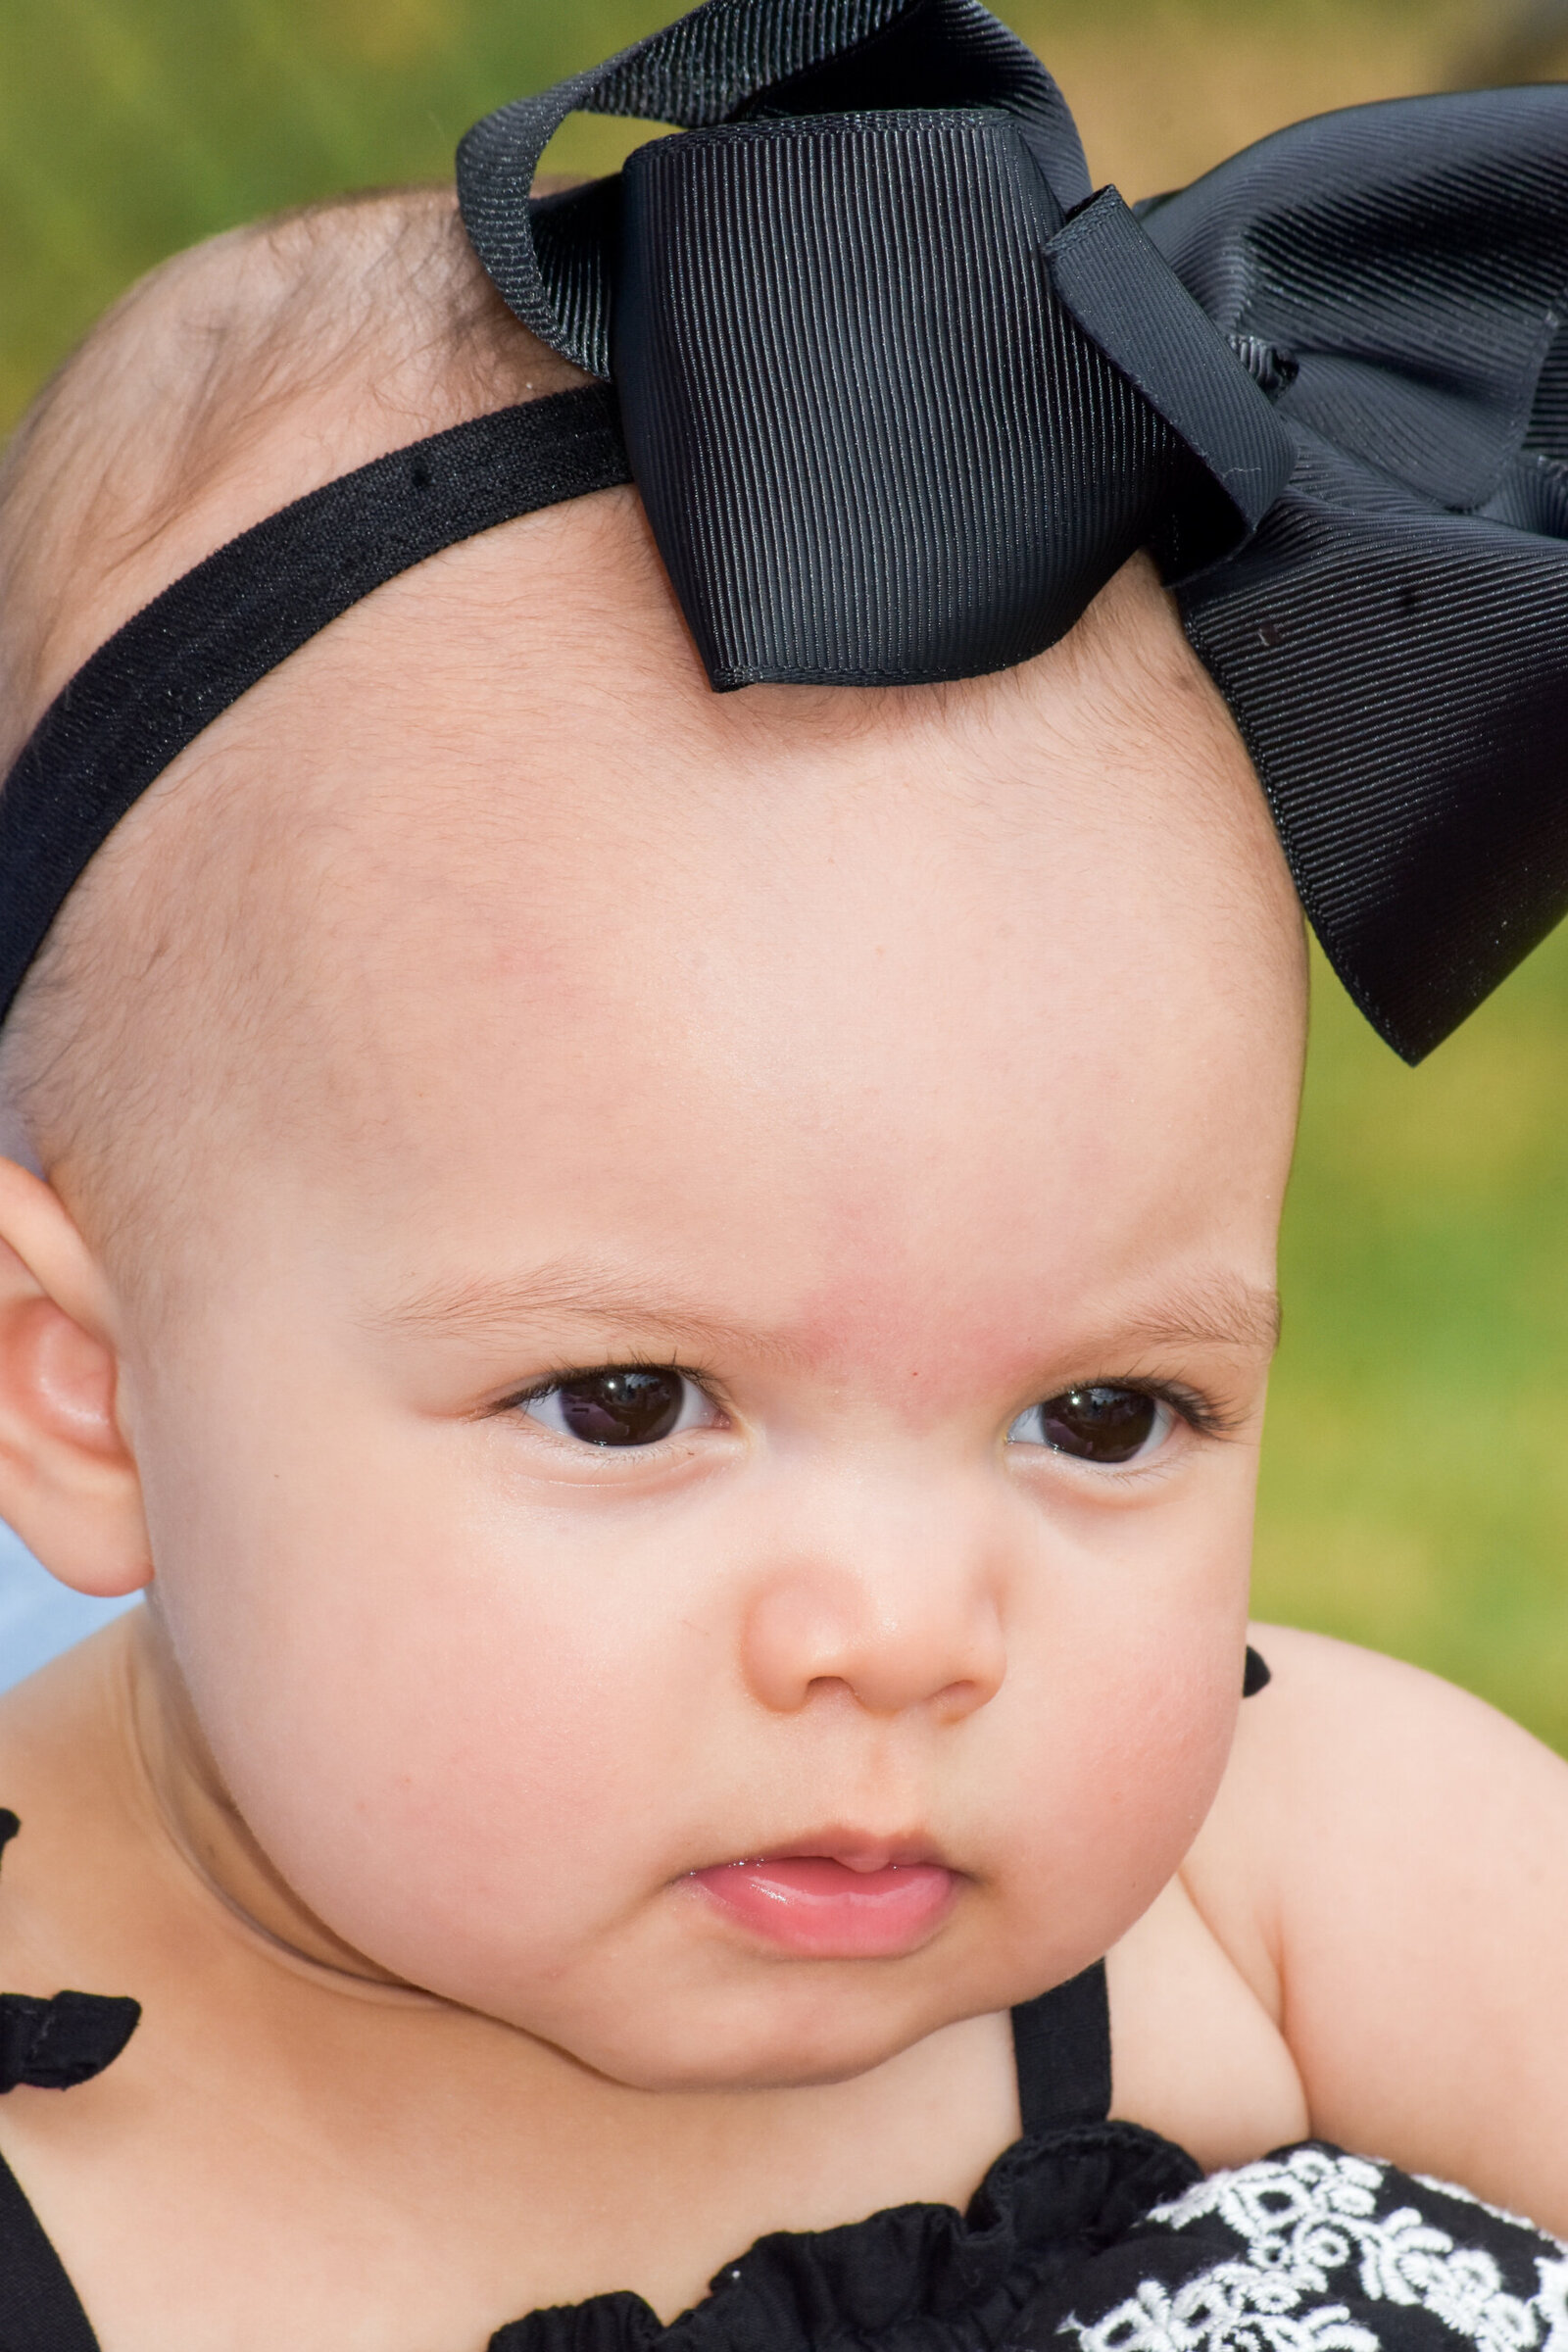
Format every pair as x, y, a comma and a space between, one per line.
909, 1621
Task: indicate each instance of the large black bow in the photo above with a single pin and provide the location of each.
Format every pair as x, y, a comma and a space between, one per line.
900, 395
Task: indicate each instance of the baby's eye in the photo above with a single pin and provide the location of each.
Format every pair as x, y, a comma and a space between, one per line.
623, 1404
1097, 1424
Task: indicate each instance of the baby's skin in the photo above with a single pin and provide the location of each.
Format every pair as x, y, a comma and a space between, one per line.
873, 1076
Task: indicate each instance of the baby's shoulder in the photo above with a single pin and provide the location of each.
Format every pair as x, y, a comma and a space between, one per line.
1348, 1758
1387, 1864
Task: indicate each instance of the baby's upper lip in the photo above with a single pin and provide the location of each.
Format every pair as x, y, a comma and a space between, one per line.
856, 1850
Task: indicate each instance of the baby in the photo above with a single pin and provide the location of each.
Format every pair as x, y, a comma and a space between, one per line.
670, 1295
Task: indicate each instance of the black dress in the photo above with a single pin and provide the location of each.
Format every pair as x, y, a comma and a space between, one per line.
1085, 2235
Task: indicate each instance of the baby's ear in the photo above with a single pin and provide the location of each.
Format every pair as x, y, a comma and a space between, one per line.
67, 1479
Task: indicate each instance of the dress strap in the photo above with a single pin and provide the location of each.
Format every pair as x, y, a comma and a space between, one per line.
1061, 2045
39, 2309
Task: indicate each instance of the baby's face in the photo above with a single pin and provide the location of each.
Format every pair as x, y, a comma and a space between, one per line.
738, 1333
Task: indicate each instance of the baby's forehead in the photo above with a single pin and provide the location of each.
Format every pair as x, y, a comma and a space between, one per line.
501, 790
511, 927
540, 683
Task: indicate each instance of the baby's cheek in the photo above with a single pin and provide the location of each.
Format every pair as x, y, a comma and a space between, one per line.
1117, 1759
438, 1731
470, 1804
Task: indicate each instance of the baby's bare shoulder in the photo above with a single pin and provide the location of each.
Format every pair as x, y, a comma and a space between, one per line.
1348, 1756
59, 1877
1388, 1861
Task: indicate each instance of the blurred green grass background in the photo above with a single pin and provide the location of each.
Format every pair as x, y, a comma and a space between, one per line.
1415, 1491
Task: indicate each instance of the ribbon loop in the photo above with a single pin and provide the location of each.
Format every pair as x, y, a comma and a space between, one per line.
728, 61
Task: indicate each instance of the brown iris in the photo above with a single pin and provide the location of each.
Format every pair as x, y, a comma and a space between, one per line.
631, 1404
1100, 1424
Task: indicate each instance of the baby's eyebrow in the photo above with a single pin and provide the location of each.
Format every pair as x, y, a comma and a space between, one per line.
479, 1309
1220, 1312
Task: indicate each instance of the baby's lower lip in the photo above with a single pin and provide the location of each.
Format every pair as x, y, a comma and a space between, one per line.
811, 1904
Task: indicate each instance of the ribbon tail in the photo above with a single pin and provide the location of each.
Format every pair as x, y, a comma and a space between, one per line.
1129, 301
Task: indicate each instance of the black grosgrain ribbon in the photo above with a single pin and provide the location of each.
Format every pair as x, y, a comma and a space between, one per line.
899, 394
1393, 641
53, 2045
899, 397
894, 414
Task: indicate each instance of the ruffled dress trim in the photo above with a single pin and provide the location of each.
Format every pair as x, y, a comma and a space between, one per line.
913, 2278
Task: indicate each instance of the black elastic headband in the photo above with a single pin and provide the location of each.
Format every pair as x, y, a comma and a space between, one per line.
900, 396
190, 654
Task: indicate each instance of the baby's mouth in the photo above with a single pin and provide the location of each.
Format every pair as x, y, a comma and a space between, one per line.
849, 1902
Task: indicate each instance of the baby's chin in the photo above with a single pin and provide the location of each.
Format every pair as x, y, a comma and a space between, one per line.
753, 2022
794, 2038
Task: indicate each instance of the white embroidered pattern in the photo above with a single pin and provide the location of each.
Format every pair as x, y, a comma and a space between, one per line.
1302, 2218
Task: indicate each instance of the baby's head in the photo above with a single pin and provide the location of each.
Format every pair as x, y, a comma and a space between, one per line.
648, 1278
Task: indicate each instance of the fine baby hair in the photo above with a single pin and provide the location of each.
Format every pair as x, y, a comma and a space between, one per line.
658, 1020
